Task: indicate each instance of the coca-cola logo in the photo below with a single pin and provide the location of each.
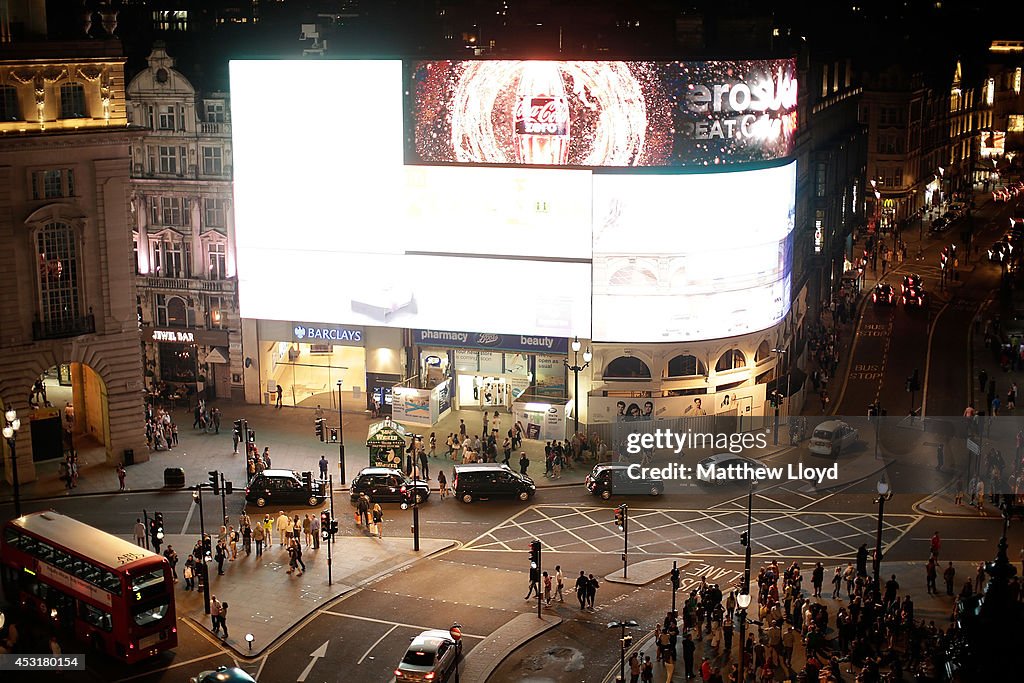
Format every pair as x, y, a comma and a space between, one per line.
543, 115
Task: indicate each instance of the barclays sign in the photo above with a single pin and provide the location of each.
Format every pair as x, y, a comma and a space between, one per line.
482, 340
327, 334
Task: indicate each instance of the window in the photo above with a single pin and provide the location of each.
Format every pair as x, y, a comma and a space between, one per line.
9, 103
215, 112
627, 367
215, 210
212, 161
1016, 81
151, 614
53, 184
763, 353
686, 366
166, 120
731, 360
172, 159
889, 143
820, 178
217, 260
1015, 123
58, 273
216, 305
72, 101
170, 211
170, 20
171, 311
95, 616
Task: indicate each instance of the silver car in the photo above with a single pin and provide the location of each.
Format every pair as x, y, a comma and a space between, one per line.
832, 437
431, 657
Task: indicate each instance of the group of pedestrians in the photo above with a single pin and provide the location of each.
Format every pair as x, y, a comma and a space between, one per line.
161, 430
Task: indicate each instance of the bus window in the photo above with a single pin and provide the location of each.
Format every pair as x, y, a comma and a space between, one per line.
150, 614
147, 580
95, 616
44, 551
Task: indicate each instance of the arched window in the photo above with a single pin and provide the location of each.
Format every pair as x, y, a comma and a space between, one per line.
763, 353
627, 367
633, 276
57, 253
177, 312
72, 101
686, 366
9, 104
730, 360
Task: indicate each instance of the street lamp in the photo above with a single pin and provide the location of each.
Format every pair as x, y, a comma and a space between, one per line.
884, 494
743, 602
341, 438
622, 645
778, 356
249, 638
11, 426
576, 368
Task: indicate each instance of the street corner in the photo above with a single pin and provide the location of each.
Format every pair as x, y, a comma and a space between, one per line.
488, 655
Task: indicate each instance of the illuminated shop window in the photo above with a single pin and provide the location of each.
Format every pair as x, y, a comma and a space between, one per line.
627, 367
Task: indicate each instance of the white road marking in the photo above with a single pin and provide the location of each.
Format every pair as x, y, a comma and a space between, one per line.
928, 358
188, 518
315, 655
376, 643
390, 623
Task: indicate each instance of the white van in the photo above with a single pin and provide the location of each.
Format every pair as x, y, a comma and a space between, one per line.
831, 437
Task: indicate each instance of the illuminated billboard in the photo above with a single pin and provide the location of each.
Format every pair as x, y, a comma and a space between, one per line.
691, 256
598, 114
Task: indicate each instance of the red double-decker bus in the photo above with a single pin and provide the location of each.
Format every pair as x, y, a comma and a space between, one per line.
105, 591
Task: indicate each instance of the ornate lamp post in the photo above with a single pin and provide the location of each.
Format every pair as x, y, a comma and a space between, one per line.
884, 494
11, 426
576, 369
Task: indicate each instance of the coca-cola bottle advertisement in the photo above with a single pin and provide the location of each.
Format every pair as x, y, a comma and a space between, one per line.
541, 119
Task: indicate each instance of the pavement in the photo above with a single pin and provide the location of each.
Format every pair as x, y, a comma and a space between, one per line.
645, 572
267, 602
487, 655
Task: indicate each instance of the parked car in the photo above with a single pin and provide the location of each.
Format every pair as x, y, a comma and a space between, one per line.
432, 656
706, 474
612, 478
284, 487
490, 480
939, 224
883, 294
387, 485
1000, 251
223, 674
832, 437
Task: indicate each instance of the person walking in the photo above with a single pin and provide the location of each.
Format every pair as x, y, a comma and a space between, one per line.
837, 583
284, 525
224, 619
268, 530
216, 608
295, 550
935, 545
314, 528
233, 542
172, 559
647, 670
581, 589
323, 466
219, 556
818, 578
524, 463
949, 576
258, 535
559, 583
121, 474
363, 509
307, 530
931, 574
189, 572
689, 647
442, 484
140, 533
634, 668
534, 583
280, 396
592, 586
547, 589
378, 520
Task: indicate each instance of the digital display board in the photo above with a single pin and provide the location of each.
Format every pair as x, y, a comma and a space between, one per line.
691, 256
600, 113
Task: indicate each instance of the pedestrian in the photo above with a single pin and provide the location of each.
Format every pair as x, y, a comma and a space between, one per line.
424, 464
121, 474
258, 535
931, 574
297, 547
215, 611
233, 542
140, 533
849, 575
172, 559
592, 587
524, 463
837, 582
818, 578
688, 650
189, 572
958, 499
284, 525
534, 588
936, 545
442, 484
323, 466
462, 430
268, 530
547, 589
378, 520
307, 529
363, 510
280, 396
634, 668
982, 380
224, 619
949, 576
234, 442
940, 456
315, 529
247, 538
979, 578
219, 556
581, 589
647, 671
174, 434
559, 583
862, 560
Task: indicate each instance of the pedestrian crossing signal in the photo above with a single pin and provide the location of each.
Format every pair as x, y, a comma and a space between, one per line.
744, 539
535, 555
319, 428
334, 435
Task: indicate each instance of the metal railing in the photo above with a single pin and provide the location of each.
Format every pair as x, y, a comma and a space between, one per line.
60, 329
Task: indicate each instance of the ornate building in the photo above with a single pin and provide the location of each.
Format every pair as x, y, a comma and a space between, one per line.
68, 308
184, 231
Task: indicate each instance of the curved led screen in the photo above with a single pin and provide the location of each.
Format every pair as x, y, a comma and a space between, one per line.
596, 114
695, 256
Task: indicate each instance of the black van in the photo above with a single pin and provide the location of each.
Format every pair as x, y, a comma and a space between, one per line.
612, 478
284, 487
491, 480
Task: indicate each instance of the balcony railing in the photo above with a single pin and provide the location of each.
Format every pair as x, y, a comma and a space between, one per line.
187, 284
60, 329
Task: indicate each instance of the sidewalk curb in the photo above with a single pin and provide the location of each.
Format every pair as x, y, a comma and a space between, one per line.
550, 621
272, 646
637, 647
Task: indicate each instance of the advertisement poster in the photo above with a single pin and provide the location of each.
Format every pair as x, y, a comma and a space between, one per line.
545, 423
440, 401
606, 113
748, 401
411, 405
551, 376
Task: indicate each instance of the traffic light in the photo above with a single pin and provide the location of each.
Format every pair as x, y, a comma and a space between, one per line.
334, 435
621, 515
156, 530
229, 488
207, 545
618, 518
251, 435
675, 578
237, 430
325, 523
334, 527
534, 555
744, 539
944, 258
319, 428
215, 481
627, 641
307, 480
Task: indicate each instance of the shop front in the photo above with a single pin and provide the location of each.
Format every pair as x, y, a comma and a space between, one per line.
490, 371
186, 360
306, 360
